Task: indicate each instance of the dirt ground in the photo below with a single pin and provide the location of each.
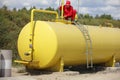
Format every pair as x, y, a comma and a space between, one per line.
107, 74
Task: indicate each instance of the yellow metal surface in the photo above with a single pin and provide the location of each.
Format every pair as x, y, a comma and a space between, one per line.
31, 33
54, 40
22, 62
63, 21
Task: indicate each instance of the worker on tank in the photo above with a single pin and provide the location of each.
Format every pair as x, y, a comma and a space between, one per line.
68, 11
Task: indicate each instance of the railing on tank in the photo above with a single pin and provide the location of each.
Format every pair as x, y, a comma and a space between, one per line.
42, 11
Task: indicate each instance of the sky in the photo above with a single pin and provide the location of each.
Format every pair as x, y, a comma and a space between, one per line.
92, 7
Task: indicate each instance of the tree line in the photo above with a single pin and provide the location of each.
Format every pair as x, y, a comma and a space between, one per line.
12, 21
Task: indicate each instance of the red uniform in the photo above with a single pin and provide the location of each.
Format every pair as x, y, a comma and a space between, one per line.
69, 12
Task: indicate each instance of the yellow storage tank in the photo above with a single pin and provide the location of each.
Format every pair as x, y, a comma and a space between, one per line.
56, 44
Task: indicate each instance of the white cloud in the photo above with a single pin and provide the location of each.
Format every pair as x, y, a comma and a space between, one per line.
107, 8
117, 16
6, 3
26, 4
84, 10
44, 2
113, 2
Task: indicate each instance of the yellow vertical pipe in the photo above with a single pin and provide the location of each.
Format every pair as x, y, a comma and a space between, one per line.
62, 9
31, 35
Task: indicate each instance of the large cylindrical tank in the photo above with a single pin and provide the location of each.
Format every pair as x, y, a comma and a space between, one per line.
55, 40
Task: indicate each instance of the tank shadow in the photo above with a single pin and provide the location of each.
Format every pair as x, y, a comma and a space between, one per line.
38, 72
84, 70
80, 69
